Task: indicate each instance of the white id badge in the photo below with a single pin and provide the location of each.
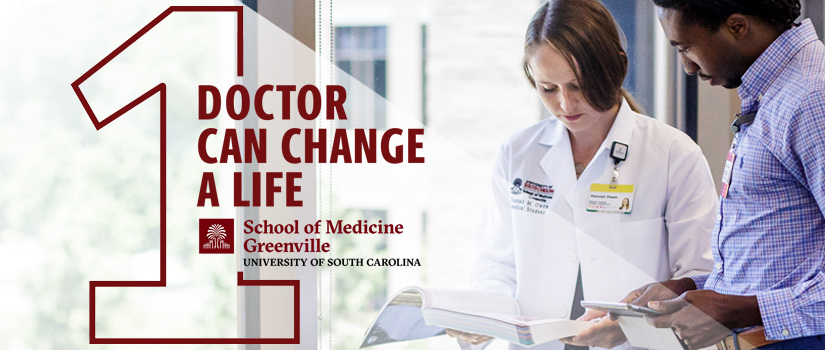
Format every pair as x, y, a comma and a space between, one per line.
607, 198
727, 173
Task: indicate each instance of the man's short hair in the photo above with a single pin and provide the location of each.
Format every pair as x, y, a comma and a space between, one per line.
711, 14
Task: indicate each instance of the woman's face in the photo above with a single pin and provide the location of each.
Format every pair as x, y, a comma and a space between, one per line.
560, 91
625, 202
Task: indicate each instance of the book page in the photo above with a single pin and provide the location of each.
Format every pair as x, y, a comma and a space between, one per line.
522, 321
468, 300
520, 330
399, 322
402, 317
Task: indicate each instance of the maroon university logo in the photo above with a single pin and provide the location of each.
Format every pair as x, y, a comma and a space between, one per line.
216, 236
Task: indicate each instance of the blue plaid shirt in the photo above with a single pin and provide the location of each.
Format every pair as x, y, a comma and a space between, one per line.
769, 238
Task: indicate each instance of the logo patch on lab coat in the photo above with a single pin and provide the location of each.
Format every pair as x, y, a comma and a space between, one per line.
537, 196
538, 191
516, 189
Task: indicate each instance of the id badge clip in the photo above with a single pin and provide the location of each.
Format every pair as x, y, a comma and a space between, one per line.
618, 152
612, 197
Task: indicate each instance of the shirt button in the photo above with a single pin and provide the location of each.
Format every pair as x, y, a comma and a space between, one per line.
718, 266
562, 312
571, 257
718, 216
785, 332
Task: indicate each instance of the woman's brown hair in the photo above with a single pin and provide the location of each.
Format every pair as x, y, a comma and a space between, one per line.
586, 35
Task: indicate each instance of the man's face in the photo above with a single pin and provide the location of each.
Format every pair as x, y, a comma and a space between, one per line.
712, 55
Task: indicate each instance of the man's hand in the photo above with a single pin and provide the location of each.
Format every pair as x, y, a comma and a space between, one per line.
704, 317
664, 290
604, 333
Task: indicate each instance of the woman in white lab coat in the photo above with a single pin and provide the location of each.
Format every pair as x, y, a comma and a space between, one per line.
552, 210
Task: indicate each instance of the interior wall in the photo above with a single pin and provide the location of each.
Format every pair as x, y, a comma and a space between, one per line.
716, 108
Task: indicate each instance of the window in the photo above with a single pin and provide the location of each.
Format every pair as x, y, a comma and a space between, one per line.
636, 19
815, 10
358, 292
361, 52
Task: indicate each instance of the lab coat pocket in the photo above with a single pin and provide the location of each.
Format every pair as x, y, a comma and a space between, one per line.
641, 247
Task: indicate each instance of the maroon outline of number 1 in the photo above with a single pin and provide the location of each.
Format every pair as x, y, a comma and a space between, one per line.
98, 123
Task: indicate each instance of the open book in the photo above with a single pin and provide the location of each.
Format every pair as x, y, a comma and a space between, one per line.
416, 313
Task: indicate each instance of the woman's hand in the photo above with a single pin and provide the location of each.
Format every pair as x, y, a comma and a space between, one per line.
605, 333
470, 338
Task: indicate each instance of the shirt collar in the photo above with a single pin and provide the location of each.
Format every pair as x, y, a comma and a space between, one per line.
758, 78
622, 127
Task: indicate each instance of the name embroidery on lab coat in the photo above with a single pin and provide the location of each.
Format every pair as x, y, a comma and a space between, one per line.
530, 197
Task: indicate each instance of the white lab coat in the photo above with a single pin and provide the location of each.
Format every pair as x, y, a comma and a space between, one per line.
535, 256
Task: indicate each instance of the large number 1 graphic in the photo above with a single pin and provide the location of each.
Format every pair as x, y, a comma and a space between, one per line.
101, 122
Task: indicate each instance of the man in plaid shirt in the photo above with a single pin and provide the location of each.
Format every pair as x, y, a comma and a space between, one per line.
767, 289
